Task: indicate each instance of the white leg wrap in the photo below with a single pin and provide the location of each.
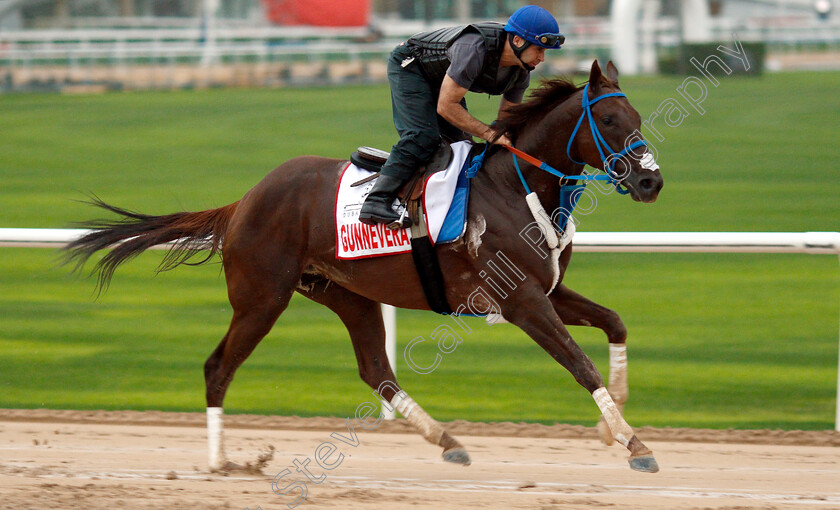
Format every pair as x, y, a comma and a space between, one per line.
622, 432
618, 373
215, 439
428, 427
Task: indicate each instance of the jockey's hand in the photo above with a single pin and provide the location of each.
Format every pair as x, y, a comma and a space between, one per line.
503, 140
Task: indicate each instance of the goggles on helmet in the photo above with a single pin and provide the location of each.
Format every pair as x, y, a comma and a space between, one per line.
550, 40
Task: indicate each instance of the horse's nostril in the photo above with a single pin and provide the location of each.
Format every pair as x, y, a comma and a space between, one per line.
646, 184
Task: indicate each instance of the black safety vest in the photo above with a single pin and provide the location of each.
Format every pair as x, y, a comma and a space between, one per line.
429, 48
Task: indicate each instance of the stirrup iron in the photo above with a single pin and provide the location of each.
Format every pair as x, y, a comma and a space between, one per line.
403, 222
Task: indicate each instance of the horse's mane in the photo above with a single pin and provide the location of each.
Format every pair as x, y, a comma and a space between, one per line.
541, 101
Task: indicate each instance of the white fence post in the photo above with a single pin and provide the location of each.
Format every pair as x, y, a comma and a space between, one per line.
389, 316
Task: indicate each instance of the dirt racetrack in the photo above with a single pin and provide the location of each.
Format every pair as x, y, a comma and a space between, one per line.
152, 460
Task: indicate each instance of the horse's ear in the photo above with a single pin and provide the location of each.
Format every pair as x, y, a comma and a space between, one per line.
612, 72
595, 78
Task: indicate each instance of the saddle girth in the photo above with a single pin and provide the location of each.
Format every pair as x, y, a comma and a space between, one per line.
426, 261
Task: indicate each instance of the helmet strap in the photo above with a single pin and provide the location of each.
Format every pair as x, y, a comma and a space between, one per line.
517, 50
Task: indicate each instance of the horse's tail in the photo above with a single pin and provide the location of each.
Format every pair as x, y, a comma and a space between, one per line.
190, 232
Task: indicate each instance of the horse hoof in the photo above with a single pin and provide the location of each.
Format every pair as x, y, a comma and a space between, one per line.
457, 456
605, 432
227, 468
644, 463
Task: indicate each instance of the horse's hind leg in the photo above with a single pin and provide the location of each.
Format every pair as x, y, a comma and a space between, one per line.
258, 299
363, 319
576, 310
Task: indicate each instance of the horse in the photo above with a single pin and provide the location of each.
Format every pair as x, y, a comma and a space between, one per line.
279, 238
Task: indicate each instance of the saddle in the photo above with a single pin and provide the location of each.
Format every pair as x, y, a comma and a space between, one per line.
372, 159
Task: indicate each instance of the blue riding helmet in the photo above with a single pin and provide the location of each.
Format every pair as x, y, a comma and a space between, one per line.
537, 26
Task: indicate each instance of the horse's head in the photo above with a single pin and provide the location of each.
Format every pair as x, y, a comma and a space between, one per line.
608, 137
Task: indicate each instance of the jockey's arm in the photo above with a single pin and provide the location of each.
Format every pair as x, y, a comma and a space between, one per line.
449, 107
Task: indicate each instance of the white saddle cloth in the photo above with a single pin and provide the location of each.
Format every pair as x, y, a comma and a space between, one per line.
355, 240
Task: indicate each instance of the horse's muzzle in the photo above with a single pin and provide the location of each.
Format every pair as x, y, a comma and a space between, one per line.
645, 188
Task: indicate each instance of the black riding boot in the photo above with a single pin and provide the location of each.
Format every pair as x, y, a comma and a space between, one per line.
377, 207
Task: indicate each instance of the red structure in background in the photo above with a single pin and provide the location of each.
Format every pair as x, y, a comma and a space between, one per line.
324, 13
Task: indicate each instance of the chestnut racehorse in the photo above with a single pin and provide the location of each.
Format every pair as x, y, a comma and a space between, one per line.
280, 238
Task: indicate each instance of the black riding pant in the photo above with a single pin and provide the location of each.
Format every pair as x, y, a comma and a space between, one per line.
414, 103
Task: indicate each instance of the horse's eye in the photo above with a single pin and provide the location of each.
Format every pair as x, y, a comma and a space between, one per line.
606, 120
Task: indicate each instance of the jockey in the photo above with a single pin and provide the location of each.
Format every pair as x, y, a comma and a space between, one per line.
431, 73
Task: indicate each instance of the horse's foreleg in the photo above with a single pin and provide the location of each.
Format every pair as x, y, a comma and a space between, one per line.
576, 310
618, 387
363, 319
540, 321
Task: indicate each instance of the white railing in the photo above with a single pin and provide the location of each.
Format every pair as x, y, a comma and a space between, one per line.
709, 242
693, 242
644, 242
582, 33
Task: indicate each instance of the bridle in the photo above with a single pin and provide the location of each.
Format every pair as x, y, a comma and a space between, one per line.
608, 156
570, 193
608, 160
